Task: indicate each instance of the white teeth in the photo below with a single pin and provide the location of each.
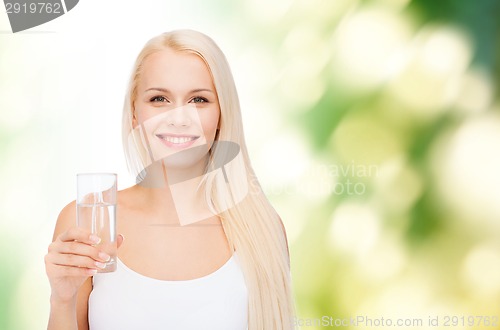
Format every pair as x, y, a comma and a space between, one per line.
172, 139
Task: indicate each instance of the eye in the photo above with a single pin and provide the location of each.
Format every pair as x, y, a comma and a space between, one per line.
199, 99
158, 99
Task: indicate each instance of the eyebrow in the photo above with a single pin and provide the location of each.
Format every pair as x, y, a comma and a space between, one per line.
164, 90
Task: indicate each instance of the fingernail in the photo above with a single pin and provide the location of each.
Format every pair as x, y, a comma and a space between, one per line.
95, 239
104, 256
100, 264
91, 271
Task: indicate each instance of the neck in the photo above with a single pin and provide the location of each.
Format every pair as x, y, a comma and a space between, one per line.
173, 193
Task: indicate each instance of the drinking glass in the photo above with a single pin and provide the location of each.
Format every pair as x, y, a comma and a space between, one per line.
96, 211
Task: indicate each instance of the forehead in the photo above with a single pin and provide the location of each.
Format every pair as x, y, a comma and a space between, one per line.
168, 68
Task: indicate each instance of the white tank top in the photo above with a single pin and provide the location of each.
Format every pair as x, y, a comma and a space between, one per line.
126, 300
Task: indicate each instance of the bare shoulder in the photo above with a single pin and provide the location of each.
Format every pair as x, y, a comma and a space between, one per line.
66, 219
128, 196
282, 225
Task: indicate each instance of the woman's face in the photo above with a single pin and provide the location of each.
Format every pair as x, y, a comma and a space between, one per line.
176, 107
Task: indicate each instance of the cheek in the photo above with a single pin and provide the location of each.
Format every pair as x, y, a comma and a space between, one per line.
141, 114
210, 121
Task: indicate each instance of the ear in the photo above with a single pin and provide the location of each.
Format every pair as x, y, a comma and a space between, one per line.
119, 240
134, 119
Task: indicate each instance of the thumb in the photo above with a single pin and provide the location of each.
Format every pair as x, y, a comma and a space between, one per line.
120, 239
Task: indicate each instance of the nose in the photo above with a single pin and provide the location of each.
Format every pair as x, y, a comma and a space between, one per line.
178, 117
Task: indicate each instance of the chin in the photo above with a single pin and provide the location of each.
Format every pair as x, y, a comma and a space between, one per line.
193, 158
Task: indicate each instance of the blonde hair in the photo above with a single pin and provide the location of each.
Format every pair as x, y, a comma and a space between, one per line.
252, 226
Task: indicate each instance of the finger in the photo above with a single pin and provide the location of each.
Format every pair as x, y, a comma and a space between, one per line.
120, 240
74, 271
75, 261
81, 249
79, 234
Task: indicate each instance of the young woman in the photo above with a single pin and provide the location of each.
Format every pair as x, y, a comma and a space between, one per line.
204, 249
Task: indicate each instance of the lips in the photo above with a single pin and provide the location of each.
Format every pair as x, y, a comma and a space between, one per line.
177, 141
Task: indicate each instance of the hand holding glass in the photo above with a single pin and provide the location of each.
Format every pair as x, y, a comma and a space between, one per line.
96, 211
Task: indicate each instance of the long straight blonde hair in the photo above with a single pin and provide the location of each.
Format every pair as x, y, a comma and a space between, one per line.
252, 226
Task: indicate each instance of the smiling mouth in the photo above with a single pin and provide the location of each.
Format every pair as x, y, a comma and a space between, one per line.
177, 140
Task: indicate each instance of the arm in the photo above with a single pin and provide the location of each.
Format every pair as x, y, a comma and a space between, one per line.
71, 315
68, 311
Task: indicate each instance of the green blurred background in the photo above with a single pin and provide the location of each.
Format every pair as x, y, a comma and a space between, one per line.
374, 127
